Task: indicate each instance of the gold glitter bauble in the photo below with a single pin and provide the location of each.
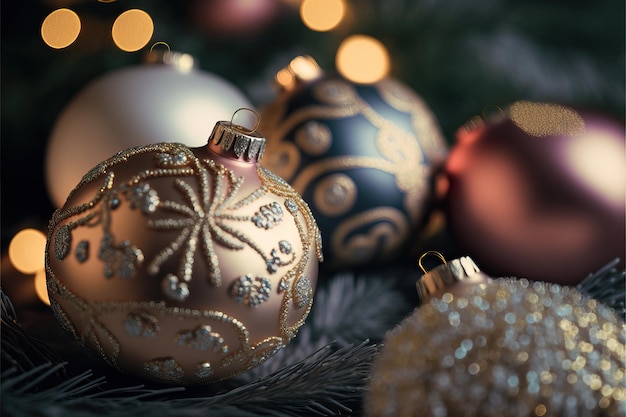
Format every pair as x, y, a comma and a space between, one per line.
184, 265
511, 348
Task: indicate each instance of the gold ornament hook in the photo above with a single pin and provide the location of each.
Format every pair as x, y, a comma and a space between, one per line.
498, 110
246, 131
430, 252
161, 43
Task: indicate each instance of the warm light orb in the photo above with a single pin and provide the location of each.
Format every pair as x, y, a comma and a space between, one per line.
322, 15
599, 163
40, 286
60, 28
26, 251
362, 59
132, 30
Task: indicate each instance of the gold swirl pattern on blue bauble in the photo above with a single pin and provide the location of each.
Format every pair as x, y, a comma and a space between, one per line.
385, 224
314, 138
405, 151
423, 120
335, 194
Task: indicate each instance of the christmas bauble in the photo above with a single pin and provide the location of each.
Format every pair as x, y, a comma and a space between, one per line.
539, 192
233, 18
510, 348
165, 99
361, 155
184, 265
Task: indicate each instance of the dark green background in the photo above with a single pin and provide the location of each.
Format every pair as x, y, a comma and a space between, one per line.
459, 55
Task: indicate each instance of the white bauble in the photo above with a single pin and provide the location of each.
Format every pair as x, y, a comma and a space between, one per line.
171, 101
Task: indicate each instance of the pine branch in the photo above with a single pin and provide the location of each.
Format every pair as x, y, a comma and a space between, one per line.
607, 285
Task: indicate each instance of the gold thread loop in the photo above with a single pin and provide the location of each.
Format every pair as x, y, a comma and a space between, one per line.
430, 252
246, 131
498, 109
161, 43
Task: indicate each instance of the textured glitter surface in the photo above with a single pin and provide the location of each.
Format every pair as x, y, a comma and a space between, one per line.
546, 119
511, 348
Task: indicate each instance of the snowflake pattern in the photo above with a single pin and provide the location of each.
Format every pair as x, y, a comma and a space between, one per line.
203, 219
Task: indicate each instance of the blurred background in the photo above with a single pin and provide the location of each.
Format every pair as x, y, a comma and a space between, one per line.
460, 56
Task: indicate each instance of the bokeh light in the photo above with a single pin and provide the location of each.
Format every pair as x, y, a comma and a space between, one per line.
60, 28
26, 251
301, 68
362, 59
132, 30
40, 286
322, 15
598, 161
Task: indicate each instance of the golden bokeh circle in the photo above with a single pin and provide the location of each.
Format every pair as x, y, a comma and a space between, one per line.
362, 59
132, 30
322, 15
26, 251
60, 28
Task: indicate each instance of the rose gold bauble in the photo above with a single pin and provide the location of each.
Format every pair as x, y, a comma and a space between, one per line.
539, 194
184, 265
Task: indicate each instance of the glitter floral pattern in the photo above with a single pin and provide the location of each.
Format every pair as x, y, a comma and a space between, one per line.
244, 290
268, 216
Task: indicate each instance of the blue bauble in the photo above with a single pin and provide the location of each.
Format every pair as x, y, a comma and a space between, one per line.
362, 156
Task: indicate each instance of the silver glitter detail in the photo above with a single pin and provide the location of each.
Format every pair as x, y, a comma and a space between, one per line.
121, 258
227, 139
174, 289
62, 242
285, 247
243, 290
241, 145
256, 149
144, 197
172, 160
82, 251
141, 323
275, 261
202, 338
284, 285
165, 368
204, 370
268, 216
248, 144
302, 292
291, 206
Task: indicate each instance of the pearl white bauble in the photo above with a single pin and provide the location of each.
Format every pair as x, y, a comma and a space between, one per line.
135, 106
